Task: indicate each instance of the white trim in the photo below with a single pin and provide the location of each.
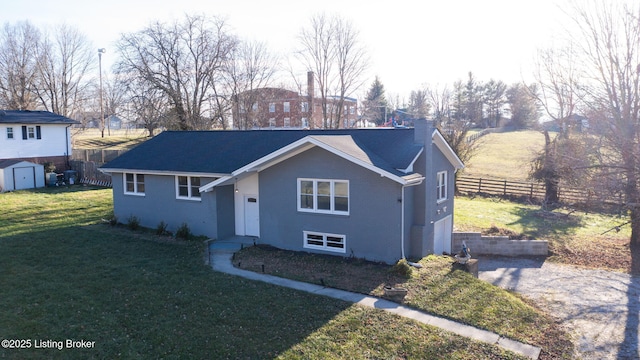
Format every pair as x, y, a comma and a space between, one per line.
444, 184
409, 168
160, 172
298, 147
325, 241
135, 191
189, 196
332, 196
448, 152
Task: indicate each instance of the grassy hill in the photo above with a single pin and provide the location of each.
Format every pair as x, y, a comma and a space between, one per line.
506, 155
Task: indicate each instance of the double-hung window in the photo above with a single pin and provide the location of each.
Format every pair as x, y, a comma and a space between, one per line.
134, 184
441, 186
188, 187
9, 133
323, 196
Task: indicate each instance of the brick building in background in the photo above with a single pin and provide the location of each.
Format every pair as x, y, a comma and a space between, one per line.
281, 108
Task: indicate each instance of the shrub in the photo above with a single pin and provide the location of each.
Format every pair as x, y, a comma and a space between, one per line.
162, 228
112, 219
402, 268
133, 222
183, 232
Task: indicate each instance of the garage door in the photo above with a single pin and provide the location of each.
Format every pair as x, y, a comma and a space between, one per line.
442, 236
24, 178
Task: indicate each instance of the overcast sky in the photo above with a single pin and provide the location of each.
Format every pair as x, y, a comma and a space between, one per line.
410, 42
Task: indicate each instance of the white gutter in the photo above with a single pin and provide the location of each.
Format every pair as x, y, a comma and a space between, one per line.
402, 221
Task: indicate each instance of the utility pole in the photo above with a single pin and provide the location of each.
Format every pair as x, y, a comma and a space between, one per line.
100, 52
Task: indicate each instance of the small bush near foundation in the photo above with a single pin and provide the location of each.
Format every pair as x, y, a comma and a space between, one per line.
402, 268
133, 222
183, 232
161, 229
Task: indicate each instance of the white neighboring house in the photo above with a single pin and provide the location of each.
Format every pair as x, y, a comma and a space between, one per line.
36, 136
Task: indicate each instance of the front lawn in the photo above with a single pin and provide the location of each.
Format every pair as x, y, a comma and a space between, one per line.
67, 275
440, 287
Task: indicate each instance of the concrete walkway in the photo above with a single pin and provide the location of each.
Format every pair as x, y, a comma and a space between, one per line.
221, 253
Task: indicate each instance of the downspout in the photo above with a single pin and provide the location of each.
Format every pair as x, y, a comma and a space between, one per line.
402, 224
66, 136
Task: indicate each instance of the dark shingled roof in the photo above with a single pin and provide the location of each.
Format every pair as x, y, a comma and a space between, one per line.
33, 117
222, 152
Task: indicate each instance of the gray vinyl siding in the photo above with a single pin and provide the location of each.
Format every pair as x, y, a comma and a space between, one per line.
160, 204
372, 228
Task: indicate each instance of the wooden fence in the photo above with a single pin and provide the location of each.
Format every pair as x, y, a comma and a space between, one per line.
88, 173
96, 155
535, 191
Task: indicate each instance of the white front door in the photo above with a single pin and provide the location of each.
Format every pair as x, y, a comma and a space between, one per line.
24, 178
442, 236
251, 216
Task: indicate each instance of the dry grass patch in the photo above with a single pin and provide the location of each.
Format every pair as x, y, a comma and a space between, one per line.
440, 287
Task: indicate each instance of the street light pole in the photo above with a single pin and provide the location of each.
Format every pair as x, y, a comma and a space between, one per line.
100, 52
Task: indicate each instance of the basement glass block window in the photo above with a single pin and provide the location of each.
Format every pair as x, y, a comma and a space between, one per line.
323, 196
324, 241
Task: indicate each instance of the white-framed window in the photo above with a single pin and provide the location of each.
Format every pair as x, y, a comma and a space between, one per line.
286, 106
254, 107
272, 107
304, 106
134, 184
441, 186
31, 132
188, 187
325, 241
304, 122
9, 133
323, 196
287, 122
272, 122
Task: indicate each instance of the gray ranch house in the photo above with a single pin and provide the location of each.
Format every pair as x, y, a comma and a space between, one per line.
379, 194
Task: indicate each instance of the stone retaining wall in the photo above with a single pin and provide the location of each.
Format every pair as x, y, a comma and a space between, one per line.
498, 245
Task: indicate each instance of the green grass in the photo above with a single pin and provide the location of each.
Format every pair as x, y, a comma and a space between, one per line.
575, 236
505, 155
66, 275
440, 287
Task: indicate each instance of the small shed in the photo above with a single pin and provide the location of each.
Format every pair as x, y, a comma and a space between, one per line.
20, 175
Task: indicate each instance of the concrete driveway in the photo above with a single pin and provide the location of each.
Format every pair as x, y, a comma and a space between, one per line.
600, 308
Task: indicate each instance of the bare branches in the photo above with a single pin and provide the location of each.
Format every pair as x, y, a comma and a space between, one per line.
182, 60
331, 49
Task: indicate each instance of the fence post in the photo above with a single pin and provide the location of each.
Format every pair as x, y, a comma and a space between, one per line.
531, 192
504, 192
480, 185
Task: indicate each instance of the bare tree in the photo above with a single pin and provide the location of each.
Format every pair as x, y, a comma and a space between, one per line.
440, 102
419, 104
251, 68
331, 49
183, 60
352, 62
64, 59
18, 69
556, 73
147, 106
611, 52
